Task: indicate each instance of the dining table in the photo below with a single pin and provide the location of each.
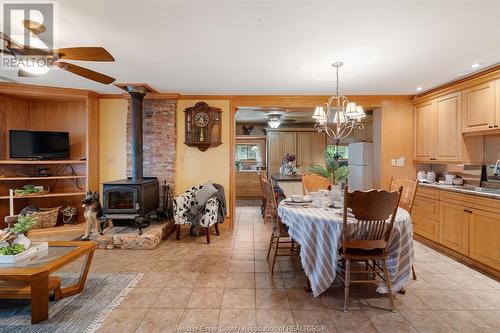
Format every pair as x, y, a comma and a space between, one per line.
318, 231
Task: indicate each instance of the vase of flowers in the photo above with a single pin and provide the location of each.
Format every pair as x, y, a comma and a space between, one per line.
334, 172
288, 167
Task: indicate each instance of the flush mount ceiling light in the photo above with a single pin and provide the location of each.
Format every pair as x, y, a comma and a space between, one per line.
274, 120
346, 115
34, 65
419, 89
476, 65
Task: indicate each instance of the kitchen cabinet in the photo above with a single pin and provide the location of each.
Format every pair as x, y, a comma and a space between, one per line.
438, 132
485, 237
280, 144
426, 227
424, 131
310, 149
479, 110
465, 224
425, 213
307, 146
247, 184
454, 227
448, 133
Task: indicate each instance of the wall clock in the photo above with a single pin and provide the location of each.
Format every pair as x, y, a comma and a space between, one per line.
203, 126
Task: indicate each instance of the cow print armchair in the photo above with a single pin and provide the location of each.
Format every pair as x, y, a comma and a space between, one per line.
200, 207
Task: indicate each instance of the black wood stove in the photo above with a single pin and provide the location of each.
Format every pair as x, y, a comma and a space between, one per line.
130, 201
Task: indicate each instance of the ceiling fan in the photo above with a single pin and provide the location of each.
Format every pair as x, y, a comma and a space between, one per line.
33, 61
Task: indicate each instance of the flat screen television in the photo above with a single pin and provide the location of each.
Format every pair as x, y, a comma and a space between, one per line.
39, 144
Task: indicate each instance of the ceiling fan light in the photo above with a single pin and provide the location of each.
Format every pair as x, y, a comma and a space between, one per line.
274, 121
33, 68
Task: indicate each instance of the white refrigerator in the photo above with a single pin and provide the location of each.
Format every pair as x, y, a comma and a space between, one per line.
361, 166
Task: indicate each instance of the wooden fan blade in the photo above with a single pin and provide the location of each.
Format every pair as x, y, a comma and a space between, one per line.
34, 27
22, 50
84, 53
8, 52
85, 72
10, 42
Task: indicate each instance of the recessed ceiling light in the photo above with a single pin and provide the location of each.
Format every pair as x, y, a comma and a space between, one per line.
419, 89
476, 65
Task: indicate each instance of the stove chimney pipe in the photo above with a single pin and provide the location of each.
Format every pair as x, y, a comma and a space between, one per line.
137, 94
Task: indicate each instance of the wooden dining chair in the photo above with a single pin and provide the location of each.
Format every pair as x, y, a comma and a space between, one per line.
279, 234
265, 205
365, 235
407, 198
313, 183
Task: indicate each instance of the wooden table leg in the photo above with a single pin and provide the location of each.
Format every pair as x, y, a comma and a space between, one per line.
78, 287
39, 299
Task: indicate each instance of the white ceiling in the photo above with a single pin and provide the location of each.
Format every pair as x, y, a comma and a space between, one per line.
279, 47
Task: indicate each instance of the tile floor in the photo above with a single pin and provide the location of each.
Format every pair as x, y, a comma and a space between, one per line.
227, 284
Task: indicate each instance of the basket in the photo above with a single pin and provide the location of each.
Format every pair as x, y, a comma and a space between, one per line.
46, 217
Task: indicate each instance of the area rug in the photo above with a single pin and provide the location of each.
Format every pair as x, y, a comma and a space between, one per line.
80, 313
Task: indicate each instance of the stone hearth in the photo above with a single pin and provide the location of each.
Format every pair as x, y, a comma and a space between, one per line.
128, 238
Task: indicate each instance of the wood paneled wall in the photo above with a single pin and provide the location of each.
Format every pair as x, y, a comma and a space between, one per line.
13, 114
396, 140
63, 117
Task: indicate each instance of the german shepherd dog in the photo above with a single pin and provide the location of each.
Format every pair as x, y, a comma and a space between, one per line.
92, 213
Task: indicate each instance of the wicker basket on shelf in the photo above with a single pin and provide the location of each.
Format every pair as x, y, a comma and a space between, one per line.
46, 217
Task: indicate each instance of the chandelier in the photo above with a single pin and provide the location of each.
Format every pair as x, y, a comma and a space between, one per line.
346, 115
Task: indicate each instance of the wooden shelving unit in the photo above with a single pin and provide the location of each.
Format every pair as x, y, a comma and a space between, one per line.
41, 162
48, 195
41, 178
39, 108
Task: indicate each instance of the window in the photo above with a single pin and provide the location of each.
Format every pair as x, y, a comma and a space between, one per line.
341, 151
248, 152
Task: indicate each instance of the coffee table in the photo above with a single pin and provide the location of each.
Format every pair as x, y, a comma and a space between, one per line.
31, 279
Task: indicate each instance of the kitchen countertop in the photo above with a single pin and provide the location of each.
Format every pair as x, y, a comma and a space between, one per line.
280, 178
466, 189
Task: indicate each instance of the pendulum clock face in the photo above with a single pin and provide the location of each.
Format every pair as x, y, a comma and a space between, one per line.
203, 126
201, 120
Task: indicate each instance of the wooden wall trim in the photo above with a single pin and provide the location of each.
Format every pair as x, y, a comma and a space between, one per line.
487, 75
18, 90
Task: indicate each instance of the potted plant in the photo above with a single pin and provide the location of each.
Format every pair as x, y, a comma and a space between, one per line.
333, 171
68, 213
20, 228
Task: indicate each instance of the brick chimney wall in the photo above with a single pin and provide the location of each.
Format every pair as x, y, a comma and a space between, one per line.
159, 140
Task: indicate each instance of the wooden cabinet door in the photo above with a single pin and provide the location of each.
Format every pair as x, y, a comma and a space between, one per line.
304, 154
424, 131
288, 143
274, 152
497, 104
425, 227
478, 108
318, 148
454, 227
448, 128
485, 238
